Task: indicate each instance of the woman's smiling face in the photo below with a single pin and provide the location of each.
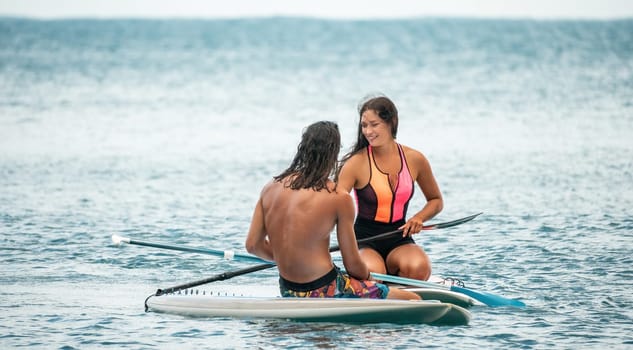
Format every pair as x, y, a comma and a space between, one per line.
375, 130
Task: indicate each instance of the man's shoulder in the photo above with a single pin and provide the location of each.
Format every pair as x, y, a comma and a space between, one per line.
271, 186
341, 195
332, 191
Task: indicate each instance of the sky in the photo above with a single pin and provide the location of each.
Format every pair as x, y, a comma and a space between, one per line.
337, 9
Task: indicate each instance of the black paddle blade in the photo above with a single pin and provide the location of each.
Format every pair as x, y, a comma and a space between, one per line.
451, 223
425, 227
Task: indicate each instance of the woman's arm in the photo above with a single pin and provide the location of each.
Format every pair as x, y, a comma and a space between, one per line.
349, 175
421, 169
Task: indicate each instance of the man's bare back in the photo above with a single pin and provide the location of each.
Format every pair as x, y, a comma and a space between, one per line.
298, 224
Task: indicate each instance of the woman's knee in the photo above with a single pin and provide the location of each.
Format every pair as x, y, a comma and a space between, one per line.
420, 270
410, 263
374, 261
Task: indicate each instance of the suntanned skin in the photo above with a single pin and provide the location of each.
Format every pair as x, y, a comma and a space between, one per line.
407, 260
292, 228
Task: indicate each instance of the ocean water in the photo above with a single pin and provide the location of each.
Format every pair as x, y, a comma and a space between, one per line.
166, 130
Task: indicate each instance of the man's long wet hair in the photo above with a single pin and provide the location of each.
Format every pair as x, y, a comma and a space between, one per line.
385, 109
316, 157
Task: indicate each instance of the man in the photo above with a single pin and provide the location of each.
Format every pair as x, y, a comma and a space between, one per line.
293, 219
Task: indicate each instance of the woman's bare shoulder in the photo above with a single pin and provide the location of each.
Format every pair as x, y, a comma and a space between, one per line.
413, 155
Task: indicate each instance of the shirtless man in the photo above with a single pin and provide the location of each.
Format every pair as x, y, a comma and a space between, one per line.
293, 219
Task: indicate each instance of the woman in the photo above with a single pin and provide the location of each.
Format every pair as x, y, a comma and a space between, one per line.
382, 173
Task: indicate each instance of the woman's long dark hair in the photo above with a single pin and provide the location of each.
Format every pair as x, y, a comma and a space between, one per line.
316, 157
385, 109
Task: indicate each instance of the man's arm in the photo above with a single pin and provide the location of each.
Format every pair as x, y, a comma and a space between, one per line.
354, 265
257, 242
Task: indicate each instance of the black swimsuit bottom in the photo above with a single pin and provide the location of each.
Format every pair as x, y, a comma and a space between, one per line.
309, 286
368, 228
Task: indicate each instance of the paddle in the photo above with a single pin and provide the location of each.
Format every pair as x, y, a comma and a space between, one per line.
227, 254
424, 228
484, 297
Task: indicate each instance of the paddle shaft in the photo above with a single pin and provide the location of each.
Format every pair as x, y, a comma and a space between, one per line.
220, 277
225, 254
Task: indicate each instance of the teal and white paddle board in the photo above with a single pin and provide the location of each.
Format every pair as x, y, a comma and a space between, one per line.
312, 309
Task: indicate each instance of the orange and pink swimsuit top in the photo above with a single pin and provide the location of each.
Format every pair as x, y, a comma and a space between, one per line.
377, 201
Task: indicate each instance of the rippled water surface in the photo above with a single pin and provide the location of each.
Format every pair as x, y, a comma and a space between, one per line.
166, 131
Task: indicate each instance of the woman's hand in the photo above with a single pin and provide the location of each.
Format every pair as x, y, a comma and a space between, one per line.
412, 226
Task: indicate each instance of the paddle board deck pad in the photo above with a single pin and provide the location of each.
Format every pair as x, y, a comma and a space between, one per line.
312, 309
